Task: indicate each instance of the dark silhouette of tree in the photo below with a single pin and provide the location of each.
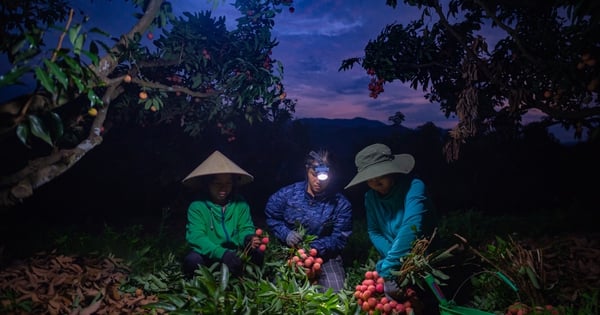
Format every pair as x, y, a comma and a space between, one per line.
198, 75
490, 63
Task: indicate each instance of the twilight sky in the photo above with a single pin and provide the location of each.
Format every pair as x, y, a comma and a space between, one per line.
313, 41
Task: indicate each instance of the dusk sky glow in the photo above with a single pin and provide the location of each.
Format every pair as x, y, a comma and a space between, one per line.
313, 41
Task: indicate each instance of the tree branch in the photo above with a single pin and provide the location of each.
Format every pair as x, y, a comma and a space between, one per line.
20, 185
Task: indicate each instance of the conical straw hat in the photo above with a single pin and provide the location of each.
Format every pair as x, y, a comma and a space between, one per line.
217, 163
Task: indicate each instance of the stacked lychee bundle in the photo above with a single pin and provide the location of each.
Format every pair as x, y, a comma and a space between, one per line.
264, 239
371, 298
308, 261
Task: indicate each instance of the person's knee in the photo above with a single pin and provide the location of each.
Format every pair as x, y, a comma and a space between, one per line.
191, 263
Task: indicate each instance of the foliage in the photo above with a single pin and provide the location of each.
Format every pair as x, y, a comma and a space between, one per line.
200, 76
208, 73
491, 63
420, 262
155, 271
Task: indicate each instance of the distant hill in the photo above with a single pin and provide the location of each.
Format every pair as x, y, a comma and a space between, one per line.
345, 137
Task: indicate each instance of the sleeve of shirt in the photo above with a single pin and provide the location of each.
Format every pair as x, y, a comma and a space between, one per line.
374, 224
414, 212
332, 245
274, 211
198, 227
245, 223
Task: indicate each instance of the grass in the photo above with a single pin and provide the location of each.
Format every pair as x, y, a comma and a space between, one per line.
154, 257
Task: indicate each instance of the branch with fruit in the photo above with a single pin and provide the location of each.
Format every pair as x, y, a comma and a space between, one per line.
419, 263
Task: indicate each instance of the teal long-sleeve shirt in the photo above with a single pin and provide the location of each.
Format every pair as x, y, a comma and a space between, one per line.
394, 221
208, 227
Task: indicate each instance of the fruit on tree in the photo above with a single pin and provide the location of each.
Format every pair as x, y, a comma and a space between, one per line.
92, 112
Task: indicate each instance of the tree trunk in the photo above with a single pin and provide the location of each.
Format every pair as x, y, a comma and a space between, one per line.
22, 184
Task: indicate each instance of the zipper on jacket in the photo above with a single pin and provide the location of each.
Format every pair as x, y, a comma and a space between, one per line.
223, 208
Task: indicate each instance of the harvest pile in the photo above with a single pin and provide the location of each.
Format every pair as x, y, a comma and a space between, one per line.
59, 284
308, 260
370, 297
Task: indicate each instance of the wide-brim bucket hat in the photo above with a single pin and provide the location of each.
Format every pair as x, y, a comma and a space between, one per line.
377, 160
218, 163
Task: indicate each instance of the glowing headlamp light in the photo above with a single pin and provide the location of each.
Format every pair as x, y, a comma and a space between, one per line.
322, 172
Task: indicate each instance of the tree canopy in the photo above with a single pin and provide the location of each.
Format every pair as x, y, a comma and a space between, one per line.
491, 63
196, 73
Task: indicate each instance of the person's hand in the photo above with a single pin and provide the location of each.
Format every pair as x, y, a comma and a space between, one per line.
257, 256
392, 290
233, 262
252, 241
293, 238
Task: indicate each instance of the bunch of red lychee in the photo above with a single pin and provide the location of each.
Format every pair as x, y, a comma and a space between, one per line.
263, 241
371, 298
308, 260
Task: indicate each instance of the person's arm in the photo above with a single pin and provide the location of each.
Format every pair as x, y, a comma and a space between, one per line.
375, 224
245, 224
197, 230
414, 213
333, 244
274, 213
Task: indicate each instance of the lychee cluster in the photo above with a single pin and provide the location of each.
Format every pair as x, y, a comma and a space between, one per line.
376, 87
263, 241
370, 297
308, 261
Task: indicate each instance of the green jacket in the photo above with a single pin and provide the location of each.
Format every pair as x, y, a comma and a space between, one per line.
208, 227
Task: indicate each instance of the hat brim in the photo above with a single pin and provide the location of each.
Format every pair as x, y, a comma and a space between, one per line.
402, 163
217, 163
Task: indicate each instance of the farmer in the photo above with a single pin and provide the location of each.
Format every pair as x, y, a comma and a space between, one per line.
397, 208
312, 207
219, 227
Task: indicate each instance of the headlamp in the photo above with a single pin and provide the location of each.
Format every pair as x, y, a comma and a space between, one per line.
322, 172
318, 166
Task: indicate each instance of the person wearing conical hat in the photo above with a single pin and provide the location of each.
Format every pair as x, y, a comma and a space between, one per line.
219, 222
397, 208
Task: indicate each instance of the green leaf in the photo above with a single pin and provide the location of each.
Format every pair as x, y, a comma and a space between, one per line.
12, 77
17, 46
94, 98
23, 132
224, 277
93, 57
73, 65
78, 44
99, 31
94, 48
73, 34
38, 129
57, 125
79, 84
45, 80
57, 73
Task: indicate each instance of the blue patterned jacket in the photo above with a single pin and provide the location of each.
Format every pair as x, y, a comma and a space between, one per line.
327, 216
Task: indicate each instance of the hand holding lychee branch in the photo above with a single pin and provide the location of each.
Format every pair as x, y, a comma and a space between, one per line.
257, 241
417, 264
